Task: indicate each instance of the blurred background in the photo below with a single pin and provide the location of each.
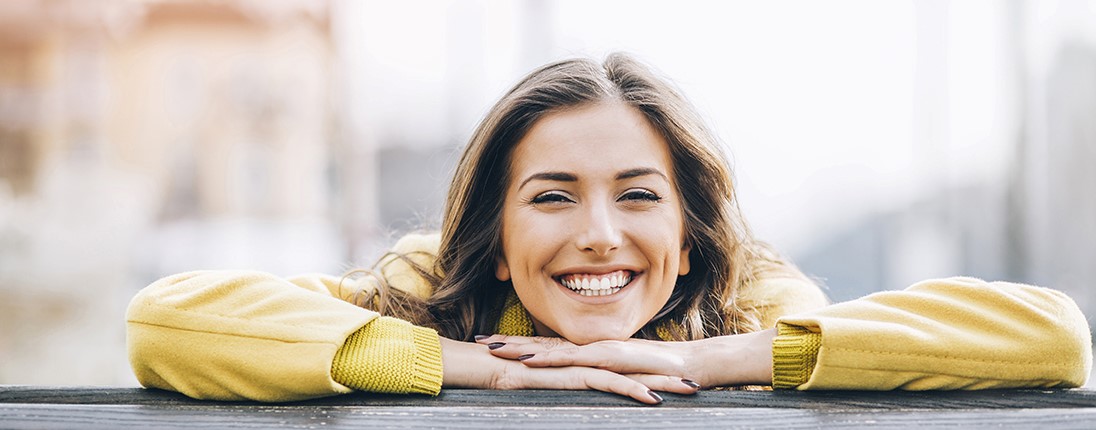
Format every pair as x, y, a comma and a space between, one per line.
877, 143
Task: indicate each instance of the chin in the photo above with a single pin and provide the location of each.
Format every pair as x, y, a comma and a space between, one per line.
582, 336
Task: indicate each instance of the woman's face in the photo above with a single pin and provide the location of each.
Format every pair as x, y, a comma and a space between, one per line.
592, 227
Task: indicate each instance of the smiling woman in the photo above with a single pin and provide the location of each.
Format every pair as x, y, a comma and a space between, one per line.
591, 240
591, 187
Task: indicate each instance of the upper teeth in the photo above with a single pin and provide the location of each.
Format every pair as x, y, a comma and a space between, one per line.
597, 285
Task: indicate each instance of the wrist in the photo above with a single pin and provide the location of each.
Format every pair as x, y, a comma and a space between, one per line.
742, 359
466, 364
450, 360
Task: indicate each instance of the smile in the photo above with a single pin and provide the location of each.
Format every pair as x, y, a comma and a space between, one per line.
597, 285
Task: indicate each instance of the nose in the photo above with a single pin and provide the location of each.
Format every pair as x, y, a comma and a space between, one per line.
599, 232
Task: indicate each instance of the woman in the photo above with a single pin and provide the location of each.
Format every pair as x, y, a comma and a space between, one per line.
591, 240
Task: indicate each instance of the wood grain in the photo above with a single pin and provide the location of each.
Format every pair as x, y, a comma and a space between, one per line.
840, 400
339, 417
91, 407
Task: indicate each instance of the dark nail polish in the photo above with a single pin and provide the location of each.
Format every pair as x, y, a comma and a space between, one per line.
495, 345
480, 337
655, 396
690, 383
525, 357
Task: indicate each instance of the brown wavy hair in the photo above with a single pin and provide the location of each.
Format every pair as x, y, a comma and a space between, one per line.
468, 299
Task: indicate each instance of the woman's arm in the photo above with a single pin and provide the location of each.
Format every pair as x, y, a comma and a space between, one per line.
957, 333
233, 335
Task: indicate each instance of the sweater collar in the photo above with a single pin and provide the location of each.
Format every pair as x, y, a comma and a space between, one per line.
515, 320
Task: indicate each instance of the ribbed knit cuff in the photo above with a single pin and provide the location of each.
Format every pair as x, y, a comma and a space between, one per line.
389, 355
795, 352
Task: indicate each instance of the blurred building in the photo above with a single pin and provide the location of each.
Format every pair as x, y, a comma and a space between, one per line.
141, 137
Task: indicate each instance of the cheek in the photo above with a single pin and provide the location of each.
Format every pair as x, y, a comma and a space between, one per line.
663, 246
662, 239
529, 243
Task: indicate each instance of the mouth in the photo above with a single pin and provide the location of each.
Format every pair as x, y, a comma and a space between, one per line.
591, 285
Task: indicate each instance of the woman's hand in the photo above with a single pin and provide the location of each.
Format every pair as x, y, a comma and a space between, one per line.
471, 365
744, 359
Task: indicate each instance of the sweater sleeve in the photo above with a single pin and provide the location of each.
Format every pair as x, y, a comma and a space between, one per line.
390, 356
955, 333
229, 335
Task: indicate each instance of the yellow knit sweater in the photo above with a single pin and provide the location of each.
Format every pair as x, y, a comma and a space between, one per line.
232, 335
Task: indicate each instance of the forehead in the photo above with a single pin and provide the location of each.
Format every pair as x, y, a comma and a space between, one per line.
601, 137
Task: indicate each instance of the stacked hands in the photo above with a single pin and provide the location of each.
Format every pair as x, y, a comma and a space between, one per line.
634, 368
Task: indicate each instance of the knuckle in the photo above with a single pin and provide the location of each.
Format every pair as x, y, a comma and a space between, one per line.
559, 357
584, 381
590, 379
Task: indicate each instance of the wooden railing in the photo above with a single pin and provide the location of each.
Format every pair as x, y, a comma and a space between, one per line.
84, 407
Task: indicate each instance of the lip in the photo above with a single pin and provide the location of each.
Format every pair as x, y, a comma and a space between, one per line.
594, 270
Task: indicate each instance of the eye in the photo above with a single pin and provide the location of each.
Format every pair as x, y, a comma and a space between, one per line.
550, 197
640, 195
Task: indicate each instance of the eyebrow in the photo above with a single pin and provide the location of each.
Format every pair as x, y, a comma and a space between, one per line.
640, 171
550, 176
569, 177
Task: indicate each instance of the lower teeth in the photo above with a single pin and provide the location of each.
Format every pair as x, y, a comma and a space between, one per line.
592, 293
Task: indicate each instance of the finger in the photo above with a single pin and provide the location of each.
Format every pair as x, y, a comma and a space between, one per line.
671, 384
483, 338
521, 351
537, 356
620, 357
603, 380
674, 384
486, 339
517, 347
497, 341
512, 339
584, 378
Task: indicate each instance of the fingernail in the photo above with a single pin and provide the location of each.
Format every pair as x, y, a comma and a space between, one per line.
690, 383
495, 345
525, 357
655, 396
480, 337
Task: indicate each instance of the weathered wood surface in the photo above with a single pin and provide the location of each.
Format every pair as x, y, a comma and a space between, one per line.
73, 407
835, 400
